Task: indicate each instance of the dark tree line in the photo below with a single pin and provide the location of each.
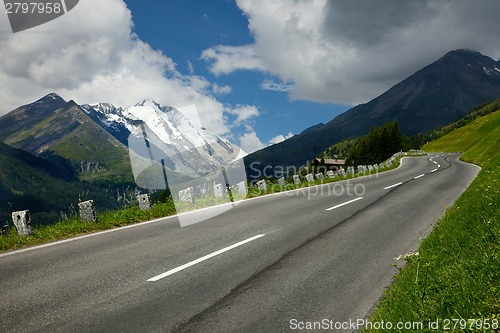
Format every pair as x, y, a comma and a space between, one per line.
380, 144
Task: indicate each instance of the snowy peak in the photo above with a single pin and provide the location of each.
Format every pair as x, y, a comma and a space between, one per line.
105, 108
149, 103
192, 151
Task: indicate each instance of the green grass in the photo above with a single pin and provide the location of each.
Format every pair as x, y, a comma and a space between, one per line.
476, 112
74, 226
274, 187
457, 272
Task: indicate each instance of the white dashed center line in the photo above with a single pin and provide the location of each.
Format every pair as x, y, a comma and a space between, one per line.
197, 261
345, 203
391, 186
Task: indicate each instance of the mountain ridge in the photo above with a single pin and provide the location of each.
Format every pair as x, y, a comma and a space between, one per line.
94, 139
65, 134
435, 95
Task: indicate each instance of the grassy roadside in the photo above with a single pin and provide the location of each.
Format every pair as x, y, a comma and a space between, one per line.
274, 187
74, 226
113, 219
457, 272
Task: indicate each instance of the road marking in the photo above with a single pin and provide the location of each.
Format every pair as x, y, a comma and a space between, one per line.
434, 170
63, 3
345, 203
391, 186
419, 176
197, 261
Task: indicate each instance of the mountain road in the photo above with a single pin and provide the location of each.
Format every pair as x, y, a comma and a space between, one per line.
267, 264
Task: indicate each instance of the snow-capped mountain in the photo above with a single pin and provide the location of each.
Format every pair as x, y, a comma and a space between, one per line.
169, 133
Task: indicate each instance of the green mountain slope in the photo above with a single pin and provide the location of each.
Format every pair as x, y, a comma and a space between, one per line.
478, 111
480, 141
29, 115
434, 96
47, 190
67, 135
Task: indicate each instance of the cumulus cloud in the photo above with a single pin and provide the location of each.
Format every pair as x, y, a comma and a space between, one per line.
244, 113
91, 56
250, 142
280, 138
227, 59
349, 52
221, 90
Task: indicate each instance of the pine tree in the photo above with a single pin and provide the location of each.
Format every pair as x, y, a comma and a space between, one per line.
377, 146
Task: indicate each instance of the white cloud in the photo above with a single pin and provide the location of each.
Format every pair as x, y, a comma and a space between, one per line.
91, 56
227, 59
249, 142
244, 113
221, 90
276, 86
190, 67
349, 52
280, 138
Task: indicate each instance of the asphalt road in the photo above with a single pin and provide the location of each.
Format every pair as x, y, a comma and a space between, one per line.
266, 265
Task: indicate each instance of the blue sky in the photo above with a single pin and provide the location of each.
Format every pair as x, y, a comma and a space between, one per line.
184, 29
257, 70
